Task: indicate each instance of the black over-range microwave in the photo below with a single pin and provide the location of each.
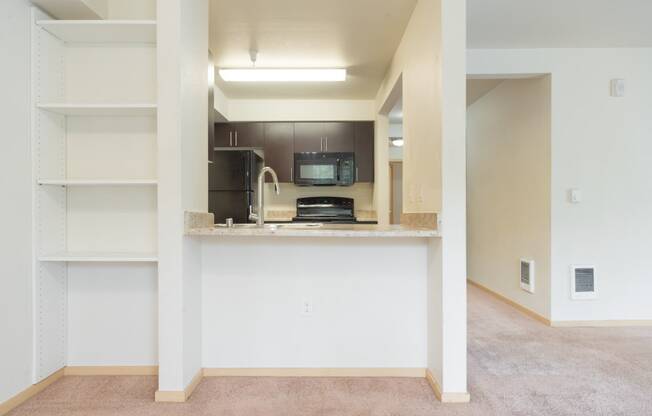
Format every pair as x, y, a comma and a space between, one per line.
324, 169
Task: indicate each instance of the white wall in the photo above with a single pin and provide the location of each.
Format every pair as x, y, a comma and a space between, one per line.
16, 209
453, 357
368, 295
395, 130
300, 110
600, 145
417, 63
508, 165
221, 102
429, 63
129, 9
112, 314
183, 180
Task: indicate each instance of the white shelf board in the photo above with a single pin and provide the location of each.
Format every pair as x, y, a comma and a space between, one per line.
97, 257
101, 31
98, 182
136, 110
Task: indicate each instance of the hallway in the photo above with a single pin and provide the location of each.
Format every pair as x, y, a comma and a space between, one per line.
517, 366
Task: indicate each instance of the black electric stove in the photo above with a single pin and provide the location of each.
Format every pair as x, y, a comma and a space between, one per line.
330, 209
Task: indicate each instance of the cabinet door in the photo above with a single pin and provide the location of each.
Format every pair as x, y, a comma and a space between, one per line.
248, 135
223, 135
308, 137
279, 150
339, 136
364, 151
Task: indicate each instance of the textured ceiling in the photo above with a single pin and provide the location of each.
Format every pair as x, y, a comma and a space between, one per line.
360, 35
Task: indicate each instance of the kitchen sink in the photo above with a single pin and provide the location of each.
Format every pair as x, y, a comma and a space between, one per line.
300, 226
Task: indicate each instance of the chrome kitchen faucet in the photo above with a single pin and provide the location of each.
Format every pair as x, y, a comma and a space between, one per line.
259, 215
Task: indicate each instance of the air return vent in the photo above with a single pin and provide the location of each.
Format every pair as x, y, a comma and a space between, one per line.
583, 282
527, 275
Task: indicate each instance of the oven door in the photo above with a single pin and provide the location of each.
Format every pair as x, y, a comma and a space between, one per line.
315, 169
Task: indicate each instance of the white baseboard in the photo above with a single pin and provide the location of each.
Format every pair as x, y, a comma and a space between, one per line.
315, 372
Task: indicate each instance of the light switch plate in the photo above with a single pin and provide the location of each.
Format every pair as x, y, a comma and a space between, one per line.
617, 87
306, 307
575, 196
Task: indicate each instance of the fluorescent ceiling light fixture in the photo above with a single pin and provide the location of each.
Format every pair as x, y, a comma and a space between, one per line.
283, 75
397, 142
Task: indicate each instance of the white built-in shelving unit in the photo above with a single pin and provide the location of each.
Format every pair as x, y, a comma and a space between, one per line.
102, 257
101, 31
94, 157
97, 182
81, 109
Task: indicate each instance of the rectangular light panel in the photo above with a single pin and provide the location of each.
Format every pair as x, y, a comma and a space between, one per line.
283, 75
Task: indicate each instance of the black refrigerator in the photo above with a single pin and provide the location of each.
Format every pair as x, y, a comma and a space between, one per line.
232, 184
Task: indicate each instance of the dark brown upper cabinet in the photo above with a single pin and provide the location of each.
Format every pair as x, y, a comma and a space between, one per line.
281, 140
223, 135
239, 135
364, 151
279, 150
324, 137
308, 137
248, 135
339, 137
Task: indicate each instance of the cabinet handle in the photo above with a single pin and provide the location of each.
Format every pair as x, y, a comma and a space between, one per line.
236, 138
326, 144
230, 138
321, 144
291, 173
357, 174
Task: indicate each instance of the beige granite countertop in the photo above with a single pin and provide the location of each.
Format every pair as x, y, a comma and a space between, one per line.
326, 230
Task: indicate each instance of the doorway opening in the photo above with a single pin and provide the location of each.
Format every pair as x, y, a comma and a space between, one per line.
396, 142
508, 188
390, 142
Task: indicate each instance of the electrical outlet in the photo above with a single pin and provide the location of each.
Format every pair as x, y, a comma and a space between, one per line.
306, 307
575, 196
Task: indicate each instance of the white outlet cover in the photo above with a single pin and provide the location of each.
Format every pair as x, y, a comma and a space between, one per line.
575, 196
617, 87
306, 307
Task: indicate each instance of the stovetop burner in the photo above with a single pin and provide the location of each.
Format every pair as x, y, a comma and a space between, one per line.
325, 209
330, 220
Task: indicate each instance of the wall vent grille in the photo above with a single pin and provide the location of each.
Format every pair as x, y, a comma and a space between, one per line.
527, 275
583, 282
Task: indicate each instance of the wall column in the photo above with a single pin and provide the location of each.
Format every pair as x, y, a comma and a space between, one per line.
183, 174
447, 335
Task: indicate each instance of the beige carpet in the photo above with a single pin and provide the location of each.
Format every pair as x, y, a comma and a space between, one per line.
517, 366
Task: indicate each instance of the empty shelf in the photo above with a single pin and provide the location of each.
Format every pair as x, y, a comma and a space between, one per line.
100, 257
98, 182
100, 109
102, 31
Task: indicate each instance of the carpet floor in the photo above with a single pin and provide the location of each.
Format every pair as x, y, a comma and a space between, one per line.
517, 366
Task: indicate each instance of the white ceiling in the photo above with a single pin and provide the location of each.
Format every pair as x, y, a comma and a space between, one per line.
360, 35
559, 23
